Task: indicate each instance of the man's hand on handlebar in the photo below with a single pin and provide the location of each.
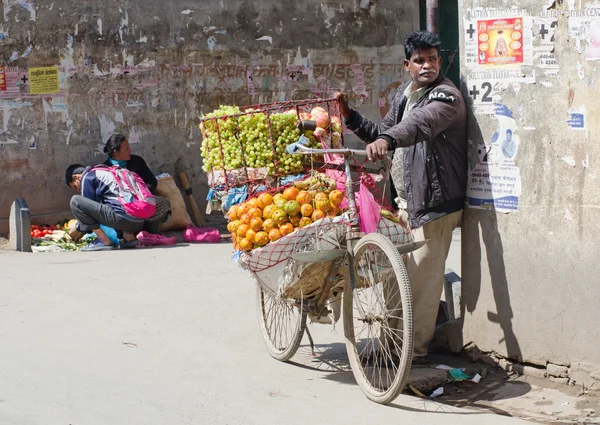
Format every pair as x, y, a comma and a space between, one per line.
345, 110
377, 150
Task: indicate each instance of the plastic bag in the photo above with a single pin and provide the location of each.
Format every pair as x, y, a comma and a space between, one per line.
369, 210
201, 234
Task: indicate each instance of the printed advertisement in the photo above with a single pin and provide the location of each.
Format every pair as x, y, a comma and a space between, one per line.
2, 78
584, 26
496, 180
44, 80
500, 41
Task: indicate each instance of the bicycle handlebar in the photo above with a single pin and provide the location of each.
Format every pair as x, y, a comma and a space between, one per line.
299, 148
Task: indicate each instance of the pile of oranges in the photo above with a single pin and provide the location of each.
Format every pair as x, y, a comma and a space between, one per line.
267, 218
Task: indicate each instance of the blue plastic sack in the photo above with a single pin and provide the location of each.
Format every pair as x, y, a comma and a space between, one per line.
111, 233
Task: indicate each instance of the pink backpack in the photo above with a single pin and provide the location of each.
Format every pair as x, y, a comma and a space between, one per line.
134, 195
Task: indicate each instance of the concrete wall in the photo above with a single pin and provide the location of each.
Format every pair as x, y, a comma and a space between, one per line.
531, 275
149, 68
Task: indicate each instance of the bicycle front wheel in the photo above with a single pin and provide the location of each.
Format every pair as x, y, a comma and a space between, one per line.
282, 324
378, 321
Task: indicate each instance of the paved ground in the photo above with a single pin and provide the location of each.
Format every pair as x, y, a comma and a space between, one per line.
167, 336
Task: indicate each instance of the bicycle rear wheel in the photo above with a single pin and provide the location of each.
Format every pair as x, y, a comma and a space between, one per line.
378, 321
282, 324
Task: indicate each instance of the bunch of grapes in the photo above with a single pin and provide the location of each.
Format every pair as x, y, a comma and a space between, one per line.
246, 140
227, 134
254, 135
284, 133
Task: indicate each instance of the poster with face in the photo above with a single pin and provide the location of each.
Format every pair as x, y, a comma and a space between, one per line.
500, 41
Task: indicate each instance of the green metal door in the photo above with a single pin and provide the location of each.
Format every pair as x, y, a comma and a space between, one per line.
448, 27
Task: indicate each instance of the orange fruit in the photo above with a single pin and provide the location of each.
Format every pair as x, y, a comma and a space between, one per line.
253, 203
245, 219
232, 213
261, 238
276, 197
286, 228
290, 193
269, 225
317, 215
230, 227
268, 211
336, 197
242, 209
304, 197
323, 203
255, 212
250, 235
242, 229
305, 221
245, 245
274, 235
292, 208
256, 224
234, 225
295, 220
280, 203
279, 216
307, 210
265, 199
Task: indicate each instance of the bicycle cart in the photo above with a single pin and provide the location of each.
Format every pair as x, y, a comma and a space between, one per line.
351, 256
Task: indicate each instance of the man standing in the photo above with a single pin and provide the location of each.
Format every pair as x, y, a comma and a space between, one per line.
426, 126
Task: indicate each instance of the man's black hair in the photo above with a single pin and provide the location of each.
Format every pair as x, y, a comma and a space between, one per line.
72, 170
114, 143
420, 40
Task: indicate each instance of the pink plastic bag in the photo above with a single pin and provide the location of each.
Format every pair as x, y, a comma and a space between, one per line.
201, 234
370, 210
151, 239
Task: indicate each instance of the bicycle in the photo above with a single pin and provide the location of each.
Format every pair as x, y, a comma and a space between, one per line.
376, 299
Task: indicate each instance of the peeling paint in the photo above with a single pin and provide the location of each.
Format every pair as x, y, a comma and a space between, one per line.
107, 128
569, 160
266, 38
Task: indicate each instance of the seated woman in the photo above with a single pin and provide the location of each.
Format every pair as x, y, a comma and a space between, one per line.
119, 153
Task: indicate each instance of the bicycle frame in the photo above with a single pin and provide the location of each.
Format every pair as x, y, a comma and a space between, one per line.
353, 231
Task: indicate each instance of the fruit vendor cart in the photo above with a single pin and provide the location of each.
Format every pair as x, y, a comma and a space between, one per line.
309, 220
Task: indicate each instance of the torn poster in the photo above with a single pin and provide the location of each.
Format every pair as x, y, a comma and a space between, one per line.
584, 26
496, 180
577, 118
484, 86
544, 56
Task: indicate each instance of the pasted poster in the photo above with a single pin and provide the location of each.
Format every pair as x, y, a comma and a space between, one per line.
484, 86
496, 180
2, 78
584, 26
44, 80
544, 54
500, 41
577, 118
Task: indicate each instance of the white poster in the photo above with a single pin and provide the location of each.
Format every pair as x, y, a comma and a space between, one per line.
584, 26
496, 180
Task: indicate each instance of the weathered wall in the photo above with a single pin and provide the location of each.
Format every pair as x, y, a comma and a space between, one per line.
149, 68
530, 266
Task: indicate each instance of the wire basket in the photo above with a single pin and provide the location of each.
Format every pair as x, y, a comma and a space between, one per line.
247, 146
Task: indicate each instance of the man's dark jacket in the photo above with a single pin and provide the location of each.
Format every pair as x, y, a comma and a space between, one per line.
434, 138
